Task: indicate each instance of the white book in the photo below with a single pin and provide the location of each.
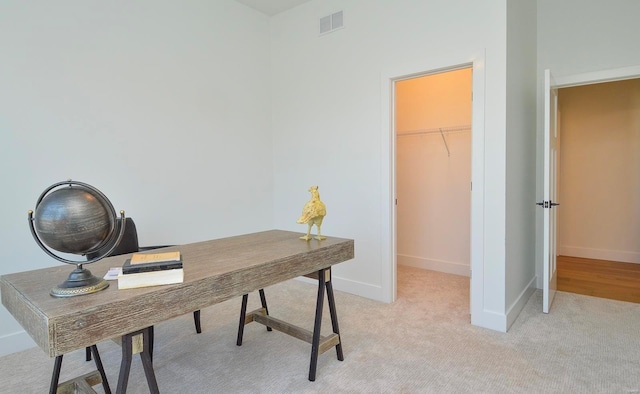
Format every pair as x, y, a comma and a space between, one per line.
152, 278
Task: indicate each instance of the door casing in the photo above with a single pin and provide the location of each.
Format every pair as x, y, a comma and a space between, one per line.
476, 62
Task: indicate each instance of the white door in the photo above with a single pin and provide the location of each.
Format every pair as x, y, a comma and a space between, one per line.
549, 203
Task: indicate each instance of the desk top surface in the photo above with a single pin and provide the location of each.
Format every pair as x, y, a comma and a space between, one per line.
214, 271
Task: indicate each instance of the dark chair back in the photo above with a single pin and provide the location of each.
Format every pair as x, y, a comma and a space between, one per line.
128, 243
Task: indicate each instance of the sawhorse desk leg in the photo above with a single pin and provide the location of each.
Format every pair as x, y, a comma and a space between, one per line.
244, 316
145, 356
324, 281
83, 383
319, 344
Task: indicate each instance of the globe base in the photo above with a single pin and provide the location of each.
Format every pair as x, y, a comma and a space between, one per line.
80, 282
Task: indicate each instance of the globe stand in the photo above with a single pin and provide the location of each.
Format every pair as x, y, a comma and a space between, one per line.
80, 281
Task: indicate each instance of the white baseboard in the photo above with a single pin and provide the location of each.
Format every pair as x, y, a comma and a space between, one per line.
502, 322
15, 342
448, 267
361, 289
600, 254
490, 319
520, 302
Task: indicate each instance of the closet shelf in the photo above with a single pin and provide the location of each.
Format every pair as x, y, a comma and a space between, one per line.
436, 130
439, 130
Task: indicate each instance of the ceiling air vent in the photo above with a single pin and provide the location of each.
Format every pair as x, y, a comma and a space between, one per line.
331, 22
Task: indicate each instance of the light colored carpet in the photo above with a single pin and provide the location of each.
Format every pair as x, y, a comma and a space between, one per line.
423, 343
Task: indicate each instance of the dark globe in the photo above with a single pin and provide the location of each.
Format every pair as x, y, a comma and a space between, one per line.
74, 220
74, 217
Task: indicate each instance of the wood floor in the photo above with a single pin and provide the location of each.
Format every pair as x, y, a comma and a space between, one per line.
599, 278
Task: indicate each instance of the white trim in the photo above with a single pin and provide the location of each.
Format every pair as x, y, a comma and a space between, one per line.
362, 289
614, 74
449, 267
489, 319
623, 256
15, 342
388, 188
477, 197
442, 63
514, 311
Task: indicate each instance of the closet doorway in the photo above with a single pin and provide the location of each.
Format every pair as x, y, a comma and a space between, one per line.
433, 174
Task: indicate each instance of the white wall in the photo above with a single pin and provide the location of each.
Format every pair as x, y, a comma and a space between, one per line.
600, 171
521, 119
93, 92
433, 178
161, 105
577, 37
328, 129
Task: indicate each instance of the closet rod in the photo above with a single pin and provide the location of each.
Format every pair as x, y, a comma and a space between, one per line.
445, 143
438, 130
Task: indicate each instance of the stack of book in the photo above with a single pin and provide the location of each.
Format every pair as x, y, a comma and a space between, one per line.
151, 269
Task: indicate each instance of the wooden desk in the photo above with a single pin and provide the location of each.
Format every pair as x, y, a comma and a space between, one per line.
214, 271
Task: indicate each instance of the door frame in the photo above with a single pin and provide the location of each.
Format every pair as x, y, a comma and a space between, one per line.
475, 61
610, 75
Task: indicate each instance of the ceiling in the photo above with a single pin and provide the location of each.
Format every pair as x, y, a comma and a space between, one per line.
272, 7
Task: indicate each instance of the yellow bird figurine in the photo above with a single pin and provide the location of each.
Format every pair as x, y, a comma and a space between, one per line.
313, 213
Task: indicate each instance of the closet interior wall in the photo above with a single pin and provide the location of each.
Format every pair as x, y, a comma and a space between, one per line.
433, 171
